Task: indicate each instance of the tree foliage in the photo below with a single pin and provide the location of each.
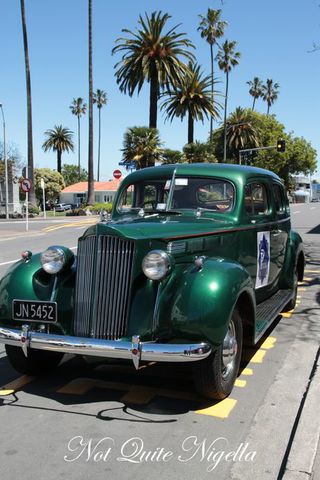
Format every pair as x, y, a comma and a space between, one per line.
59, 139
172, 156
191, 96
199, 152
70, 174
299, 157
151, 55
141, 145
53, 180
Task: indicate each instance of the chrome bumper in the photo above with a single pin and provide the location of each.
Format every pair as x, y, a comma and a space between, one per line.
135, 350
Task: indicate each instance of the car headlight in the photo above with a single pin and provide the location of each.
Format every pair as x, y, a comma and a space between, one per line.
53, 259
156, 264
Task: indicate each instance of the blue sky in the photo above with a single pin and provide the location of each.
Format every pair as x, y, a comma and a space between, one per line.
274, 38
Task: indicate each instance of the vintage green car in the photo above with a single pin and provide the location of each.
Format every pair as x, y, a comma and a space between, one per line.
195, 260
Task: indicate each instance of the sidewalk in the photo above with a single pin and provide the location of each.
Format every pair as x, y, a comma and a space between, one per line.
303, 461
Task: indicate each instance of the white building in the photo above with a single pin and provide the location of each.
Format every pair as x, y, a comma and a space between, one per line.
104, 192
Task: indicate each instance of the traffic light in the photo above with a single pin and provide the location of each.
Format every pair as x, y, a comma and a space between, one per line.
281, 146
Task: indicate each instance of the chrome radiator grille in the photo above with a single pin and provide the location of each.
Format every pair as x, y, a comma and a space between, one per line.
103, 287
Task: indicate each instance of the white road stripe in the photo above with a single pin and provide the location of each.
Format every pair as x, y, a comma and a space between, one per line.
298, 211
13, 261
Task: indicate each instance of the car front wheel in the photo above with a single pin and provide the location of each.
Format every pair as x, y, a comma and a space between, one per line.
214, 377
38, 362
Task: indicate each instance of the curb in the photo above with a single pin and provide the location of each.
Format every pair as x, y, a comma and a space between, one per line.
305, 447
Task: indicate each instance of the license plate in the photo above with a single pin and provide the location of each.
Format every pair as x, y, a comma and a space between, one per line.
34, 311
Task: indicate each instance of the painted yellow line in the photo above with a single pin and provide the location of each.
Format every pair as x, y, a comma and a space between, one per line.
15, 385
298, 297
240, 383
67, 225
312, 271
258, 356
220, 410
268, 343
247, 372
287, 314
301, 289
308, 279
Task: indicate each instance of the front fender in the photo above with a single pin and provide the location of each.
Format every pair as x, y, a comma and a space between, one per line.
197, 304
28, 281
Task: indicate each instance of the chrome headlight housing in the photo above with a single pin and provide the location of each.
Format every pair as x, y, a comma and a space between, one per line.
53, 259
156, 264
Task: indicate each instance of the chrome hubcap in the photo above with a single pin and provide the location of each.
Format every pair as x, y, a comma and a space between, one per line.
229, 351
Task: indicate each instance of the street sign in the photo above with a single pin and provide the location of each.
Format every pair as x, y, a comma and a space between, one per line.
26, 185
117, 174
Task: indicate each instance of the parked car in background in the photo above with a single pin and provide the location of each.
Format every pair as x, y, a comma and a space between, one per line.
62, 207
196, 260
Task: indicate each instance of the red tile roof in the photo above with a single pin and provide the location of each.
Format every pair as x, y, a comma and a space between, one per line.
82, 187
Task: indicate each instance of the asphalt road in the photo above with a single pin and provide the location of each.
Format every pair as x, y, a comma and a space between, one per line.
107, 420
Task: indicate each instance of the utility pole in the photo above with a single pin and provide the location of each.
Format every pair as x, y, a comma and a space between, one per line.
5, 162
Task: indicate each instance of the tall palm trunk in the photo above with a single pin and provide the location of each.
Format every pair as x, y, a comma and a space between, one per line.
98, 176
190, 128
268, 108
212, 97
90, 199
59, 155
154, 93
254, 101
79, 164
225, 120
32, 196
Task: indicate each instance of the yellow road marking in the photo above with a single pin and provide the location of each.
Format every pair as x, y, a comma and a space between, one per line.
307, 279
15, 385
300, 289
257, 357
247, 372
312, 271
68, 225
220, 410
268, 343
240, 383
287, 314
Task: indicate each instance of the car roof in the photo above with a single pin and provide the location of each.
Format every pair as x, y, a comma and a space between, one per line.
235, 173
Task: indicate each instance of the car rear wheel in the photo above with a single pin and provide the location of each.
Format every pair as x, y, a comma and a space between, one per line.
290, 305
38, 362
214, 377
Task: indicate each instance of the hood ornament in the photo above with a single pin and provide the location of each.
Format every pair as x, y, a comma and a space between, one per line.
136, 350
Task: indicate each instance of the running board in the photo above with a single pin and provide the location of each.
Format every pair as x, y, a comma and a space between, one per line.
268, 311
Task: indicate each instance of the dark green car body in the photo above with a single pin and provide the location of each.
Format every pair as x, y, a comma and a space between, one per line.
240, 253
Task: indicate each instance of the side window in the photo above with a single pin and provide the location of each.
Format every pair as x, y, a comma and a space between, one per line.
279, 199
255, 200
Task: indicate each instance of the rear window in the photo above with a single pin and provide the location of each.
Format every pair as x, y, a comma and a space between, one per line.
255, 201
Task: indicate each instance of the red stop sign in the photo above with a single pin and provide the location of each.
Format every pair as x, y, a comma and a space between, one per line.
117, 174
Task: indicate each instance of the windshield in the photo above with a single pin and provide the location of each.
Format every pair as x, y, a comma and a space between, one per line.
187, 193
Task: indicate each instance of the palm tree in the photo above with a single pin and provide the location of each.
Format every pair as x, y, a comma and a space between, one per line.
90, 198
141, 145
227, 58
270, 92
240, 132
153, 56
32, 196
78, 108
255, 89
190, 96
59, 139
100, 98
212, 28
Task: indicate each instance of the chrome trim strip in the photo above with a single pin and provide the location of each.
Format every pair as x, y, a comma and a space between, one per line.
151, 352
